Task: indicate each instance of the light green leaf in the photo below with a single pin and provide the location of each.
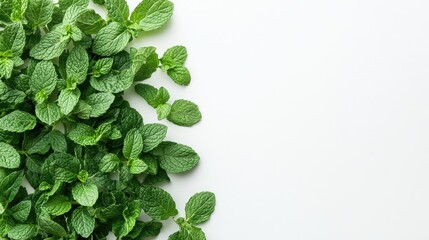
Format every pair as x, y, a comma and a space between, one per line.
52, 45
85, 194
184, 113
39, 12
109, 162
83, 222
43, 80
68, 99
111, 39
62, 167
152, 14
48, 113
100, 103
65, 4
17, 121
113, 82
23, 232
90, 22
163, 111
200, 207
117, 10
153, 134
21, 210
140, 56
157, 203
10, 184
49, 226
13, 39
137, 166
173, 57
77, 65
72, 14
6, 68
180, 75
102, 67
176, 158
122, 227
9, 157
57, 205
133, 144
18, 9
153, 96
83, 135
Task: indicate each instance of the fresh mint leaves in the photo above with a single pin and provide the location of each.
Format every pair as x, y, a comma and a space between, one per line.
65, 127
94, 164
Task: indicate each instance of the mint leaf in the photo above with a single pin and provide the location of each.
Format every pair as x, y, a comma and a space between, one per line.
153, 96
102, 67
133, 144
85, 194
48, 113
180, 75
83, 222
176, 158
83, 135
90, 22
100, 103
6, 68
157, 203
9, 157
77, 65
57, 205
12, 39
114, 82
62, 167
137, 166
72, 14
163, 111
140, 57
39, 12
23, 231
122, 227
10, 184
153, 135
184, 113
152, 14
43, 80
65, 4
51, 46
200, 207
21, 210
111, 39
17, 121
68, 99
117, 10
174, 57
49, 226
18, 10
109, 162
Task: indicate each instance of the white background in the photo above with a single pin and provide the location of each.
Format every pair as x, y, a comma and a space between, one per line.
315, 116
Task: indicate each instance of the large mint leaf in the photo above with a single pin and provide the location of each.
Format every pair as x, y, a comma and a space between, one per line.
13, 39
152, 14
52, 45
111, 39
39, 12
176, 158
17, 121
9, 157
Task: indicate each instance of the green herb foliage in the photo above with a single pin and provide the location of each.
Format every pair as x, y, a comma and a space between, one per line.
65, 127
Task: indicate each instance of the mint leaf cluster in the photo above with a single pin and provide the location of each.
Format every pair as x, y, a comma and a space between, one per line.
95, 166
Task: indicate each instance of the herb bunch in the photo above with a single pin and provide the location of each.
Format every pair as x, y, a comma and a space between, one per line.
66, 128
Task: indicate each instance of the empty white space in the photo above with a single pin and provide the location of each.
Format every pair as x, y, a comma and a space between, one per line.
315, 116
